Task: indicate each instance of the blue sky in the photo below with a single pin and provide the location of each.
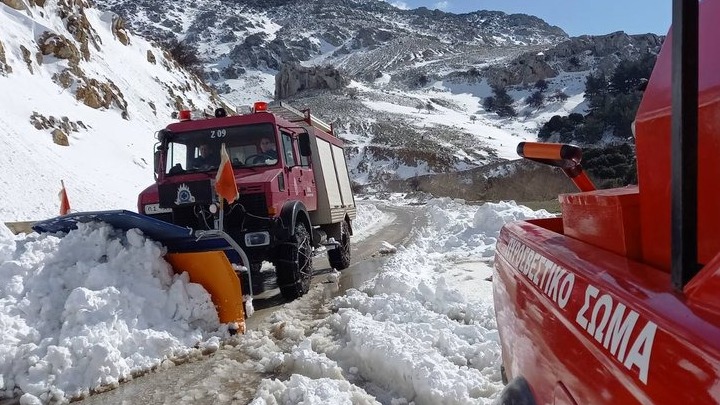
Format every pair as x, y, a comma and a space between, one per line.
576, 17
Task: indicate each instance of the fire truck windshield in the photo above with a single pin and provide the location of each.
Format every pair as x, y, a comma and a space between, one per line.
199, 150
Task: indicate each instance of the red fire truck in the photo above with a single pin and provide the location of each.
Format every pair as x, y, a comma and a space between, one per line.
293, 182
614, 302
294, 195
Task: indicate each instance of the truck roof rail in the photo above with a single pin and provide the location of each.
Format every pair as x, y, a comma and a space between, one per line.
292, 114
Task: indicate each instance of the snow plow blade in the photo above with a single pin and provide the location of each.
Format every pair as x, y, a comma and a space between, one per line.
213, 271
204, 255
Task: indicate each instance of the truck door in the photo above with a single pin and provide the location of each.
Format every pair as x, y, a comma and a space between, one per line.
300, 179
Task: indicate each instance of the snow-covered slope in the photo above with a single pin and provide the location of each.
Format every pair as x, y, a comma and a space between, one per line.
406, 86
72, 72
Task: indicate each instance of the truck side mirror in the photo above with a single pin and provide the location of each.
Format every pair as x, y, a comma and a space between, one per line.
304, 144
157, 161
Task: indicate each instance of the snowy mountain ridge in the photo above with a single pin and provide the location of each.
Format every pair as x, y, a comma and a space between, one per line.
410, 102
344, 59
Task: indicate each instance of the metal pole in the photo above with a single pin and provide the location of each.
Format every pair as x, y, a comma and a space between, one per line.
684, 143
222, 214
220, 234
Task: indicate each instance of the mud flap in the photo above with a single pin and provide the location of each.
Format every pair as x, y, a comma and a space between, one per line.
214, 272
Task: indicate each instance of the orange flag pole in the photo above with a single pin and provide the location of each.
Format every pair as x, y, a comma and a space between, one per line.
225, 184
64, 201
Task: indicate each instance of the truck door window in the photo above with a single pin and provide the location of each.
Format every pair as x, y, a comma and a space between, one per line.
287, 146
176, 158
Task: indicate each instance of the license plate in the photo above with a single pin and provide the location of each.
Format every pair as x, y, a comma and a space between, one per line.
155, 209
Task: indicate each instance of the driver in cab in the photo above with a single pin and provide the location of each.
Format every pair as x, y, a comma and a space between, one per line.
267, 148
268, 154
205, 157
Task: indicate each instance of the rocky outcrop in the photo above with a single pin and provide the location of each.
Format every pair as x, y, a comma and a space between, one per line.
26, 57
294, 78
119, 31
96, 94
76, 22
151, 57
526, 69
5, 68
59, 127
58, 46
16, 4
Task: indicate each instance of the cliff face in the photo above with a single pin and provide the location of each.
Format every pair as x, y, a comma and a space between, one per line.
60, 43
578, 54
294, 78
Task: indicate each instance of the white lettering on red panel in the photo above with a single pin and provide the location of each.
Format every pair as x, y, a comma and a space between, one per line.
614, 326
551, 279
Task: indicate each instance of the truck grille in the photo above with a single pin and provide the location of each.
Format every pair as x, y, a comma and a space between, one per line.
254, 203
185, 216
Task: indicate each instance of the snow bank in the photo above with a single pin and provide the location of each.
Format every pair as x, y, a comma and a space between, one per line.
90, 309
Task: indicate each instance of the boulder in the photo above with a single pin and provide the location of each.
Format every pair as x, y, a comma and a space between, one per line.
60, 138
294, 78
16, 4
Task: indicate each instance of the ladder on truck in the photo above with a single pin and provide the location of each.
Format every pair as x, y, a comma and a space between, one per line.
304, 117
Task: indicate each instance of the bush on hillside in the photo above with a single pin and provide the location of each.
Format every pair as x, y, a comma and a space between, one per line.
500, 102
185, 55
611, 166
541, 85
536, 99
613, 102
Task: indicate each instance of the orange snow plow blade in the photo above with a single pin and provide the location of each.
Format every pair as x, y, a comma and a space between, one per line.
213, 271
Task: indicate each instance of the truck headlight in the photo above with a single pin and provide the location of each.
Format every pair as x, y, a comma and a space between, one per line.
257, 239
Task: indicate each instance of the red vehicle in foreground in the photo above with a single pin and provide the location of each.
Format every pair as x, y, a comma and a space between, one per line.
618, 300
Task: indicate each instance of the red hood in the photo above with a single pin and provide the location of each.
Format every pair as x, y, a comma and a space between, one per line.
244, 177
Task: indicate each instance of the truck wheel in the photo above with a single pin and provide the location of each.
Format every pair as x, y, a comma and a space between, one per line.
339, 257
293, 265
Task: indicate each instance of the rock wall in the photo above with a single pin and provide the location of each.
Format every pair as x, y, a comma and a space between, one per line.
294, 78
518, 180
